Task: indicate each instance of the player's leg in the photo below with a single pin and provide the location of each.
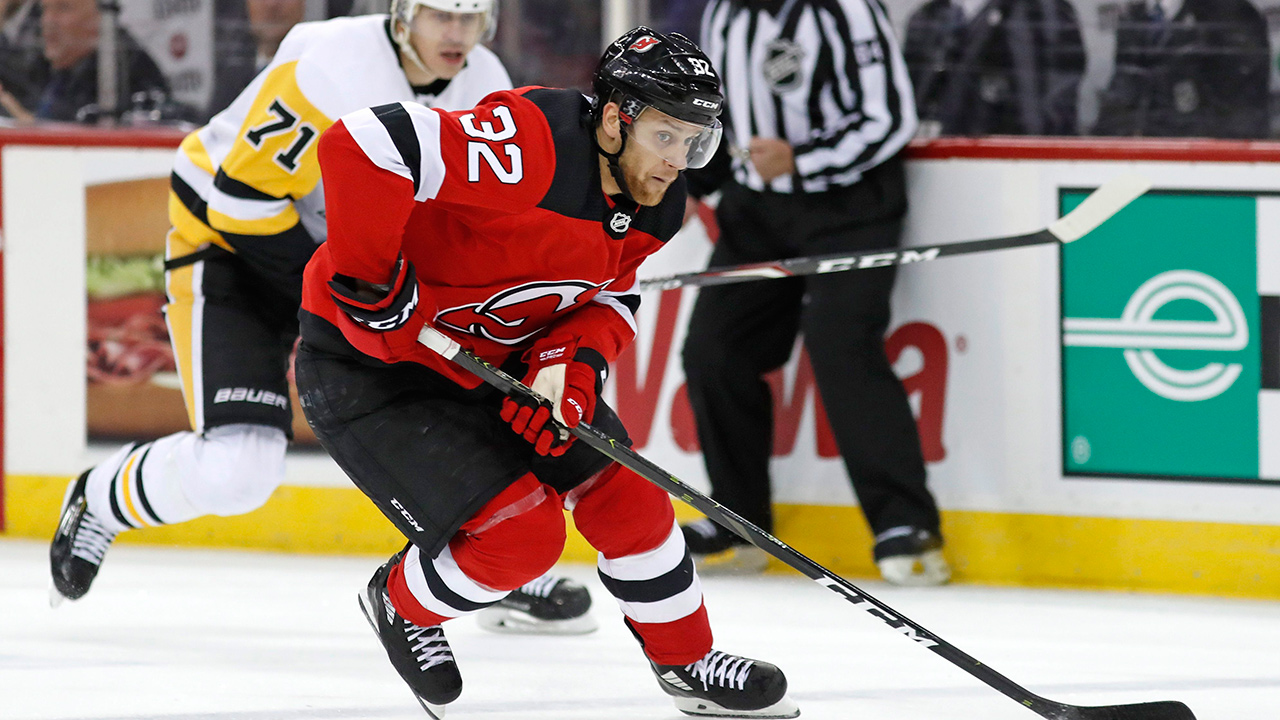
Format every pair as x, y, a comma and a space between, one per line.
231, 341
442, 466
737, 333
517, 534
646, 566
229, 470
844, 324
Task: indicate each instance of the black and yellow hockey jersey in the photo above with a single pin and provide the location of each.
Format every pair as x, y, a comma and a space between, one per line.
249, 180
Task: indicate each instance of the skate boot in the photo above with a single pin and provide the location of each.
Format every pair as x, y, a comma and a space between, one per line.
724, 685
421, 655
911, 557
717, 551
546, 606
78, 545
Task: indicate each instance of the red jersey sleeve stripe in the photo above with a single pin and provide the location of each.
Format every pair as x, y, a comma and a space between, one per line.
374, 139
624, 303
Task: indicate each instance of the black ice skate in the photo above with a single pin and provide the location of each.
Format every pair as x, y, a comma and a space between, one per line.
78, 545
911, 557
546, 606
724, 685
421, 655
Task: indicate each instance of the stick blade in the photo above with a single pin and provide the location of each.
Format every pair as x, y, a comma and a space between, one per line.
1099, 206
1162, 710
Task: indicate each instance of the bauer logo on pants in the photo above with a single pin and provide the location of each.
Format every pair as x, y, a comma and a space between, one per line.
1161, 358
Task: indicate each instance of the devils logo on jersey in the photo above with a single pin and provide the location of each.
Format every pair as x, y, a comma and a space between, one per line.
517, 314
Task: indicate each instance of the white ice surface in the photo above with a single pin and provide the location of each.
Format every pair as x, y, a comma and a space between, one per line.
219, 635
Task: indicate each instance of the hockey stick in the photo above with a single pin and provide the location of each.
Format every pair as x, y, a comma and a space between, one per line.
1096, 208
612, 449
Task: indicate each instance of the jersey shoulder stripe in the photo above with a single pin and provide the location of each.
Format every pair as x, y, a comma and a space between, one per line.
402, 138
395, 118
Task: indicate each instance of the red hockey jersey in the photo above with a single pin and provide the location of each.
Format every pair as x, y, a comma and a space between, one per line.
501, 212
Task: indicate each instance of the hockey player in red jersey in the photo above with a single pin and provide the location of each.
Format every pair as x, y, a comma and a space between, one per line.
516, 228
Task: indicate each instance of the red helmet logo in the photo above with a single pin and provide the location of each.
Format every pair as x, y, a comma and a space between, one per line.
644, 44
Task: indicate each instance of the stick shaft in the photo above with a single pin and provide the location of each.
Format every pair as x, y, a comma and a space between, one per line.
843, 262
633, 461
1097, 208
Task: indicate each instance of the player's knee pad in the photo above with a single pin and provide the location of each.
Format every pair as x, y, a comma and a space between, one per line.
621, 513
239, 466
514, 538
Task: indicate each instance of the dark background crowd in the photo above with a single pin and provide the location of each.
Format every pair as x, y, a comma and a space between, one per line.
1159, 68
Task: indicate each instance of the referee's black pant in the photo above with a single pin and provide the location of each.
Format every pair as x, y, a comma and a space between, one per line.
741, 331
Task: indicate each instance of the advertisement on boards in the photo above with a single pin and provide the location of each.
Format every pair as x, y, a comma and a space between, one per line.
1162, 344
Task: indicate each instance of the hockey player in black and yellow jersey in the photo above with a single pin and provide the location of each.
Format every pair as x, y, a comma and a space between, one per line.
247, 211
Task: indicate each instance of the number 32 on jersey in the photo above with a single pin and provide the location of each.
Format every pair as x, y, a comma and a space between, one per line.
498, 130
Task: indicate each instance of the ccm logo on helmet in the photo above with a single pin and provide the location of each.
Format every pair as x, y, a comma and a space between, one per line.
706, 103
644, 44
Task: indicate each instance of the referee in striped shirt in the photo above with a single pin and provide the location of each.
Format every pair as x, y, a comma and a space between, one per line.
818, 109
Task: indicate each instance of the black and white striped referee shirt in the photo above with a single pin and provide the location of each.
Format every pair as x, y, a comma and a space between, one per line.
825, 75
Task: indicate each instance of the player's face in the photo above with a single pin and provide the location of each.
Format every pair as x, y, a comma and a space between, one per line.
443, 39
657, 150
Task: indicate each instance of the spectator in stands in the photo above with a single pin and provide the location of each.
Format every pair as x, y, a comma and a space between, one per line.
270, 21
70, 32
983, 67
1188, 68
23, 69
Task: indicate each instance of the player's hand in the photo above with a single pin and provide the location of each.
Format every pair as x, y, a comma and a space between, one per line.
570, 379
771, 157
383, 321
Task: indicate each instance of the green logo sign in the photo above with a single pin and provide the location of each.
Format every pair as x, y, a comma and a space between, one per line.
1161, 365
1140, 334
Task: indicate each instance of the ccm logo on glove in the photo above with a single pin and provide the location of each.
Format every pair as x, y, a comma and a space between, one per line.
569, 378
383, 321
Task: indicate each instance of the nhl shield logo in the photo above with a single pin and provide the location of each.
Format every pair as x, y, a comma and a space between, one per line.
620, 222
784, 65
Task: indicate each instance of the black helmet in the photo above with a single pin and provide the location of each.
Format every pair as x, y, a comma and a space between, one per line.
664, 71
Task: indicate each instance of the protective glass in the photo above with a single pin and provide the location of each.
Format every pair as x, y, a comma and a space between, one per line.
683, 144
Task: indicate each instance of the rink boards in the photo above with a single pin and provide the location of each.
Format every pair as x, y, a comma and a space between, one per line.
1099, 415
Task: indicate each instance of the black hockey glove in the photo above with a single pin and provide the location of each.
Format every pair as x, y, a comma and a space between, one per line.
384, 320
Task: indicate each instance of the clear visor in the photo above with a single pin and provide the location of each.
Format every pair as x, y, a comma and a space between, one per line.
682, 144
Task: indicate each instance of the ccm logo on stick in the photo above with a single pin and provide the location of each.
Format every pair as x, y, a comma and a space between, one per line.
876, 260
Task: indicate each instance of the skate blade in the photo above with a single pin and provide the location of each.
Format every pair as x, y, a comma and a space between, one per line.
929, 569
499, 619
784, 708
436, 712
55, 598
368, 615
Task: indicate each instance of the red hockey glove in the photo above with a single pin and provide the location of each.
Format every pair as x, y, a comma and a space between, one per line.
570, 378
383, 321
